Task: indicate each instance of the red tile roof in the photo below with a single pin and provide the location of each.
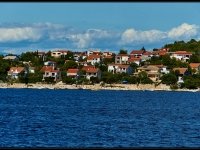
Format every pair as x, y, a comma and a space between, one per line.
194, 65
90, 69
18, 69
91, 57
183, 53
137, 52
133, 59
48, 69
72, 70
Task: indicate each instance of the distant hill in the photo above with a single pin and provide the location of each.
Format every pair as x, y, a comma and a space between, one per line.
191, 46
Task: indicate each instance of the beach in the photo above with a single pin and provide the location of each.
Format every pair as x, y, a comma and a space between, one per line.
60, 85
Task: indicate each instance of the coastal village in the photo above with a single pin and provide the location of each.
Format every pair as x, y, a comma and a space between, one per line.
177, 69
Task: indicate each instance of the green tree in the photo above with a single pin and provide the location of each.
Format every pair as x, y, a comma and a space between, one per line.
122, 51
70, 64
169, 79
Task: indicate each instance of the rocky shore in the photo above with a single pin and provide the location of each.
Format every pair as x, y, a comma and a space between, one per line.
150, 87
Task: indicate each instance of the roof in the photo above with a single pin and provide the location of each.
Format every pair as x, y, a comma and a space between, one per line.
90, 69
137, 52
183, 53
91, 57
194, 65
150, 67
72, 70
10, 57
147, 53
181, 70
48, 69
133, 59
17, 69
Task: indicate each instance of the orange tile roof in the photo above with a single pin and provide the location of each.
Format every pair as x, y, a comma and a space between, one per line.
72, 70
18, 69
194, 65
183, 52
181, 70
48, 69
91, 57
90, 69
137, 52
134, 59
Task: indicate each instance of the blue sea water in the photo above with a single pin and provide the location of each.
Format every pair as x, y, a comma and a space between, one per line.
107, 119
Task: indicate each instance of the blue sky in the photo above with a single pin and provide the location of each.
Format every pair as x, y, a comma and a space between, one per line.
112, 26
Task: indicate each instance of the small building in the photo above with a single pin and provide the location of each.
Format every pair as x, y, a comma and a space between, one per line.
151, 70
94, 59
135, 60
91, 71
120, 68
11, 57
195, 66
121, 59
181, 55
15, 71
50, 63
59, 53
73, 73
137, 53
51, 71
182, 72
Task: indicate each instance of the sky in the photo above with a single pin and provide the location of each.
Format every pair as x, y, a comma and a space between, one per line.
28, 26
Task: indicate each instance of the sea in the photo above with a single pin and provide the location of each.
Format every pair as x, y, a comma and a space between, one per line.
48, 118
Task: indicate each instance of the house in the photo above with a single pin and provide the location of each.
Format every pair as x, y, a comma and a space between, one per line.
59, 53
146, 56
181, 55
120, 68
121, 59
151, 70
195, 66
51, 71
105, 54
15, 71
137, 53
11, 57
91, 71
50, 63
93, 52
135, 60
74, 73
182, 72
94, 59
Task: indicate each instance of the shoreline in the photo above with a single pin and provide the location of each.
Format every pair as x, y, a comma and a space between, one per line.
96, 87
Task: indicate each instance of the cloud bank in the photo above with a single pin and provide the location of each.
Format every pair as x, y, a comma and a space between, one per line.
50, 36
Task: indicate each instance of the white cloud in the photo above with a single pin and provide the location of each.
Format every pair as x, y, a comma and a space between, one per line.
134, 36
19, 34
184, 31
88, 39
44, 35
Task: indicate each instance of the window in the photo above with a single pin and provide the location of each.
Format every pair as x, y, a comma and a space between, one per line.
53, 74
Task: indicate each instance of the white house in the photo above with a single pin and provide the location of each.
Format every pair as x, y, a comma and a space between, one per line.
94, 59
50, 71
91, 71
181, 55
119, 68
121, 59
59, 53
15, 71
